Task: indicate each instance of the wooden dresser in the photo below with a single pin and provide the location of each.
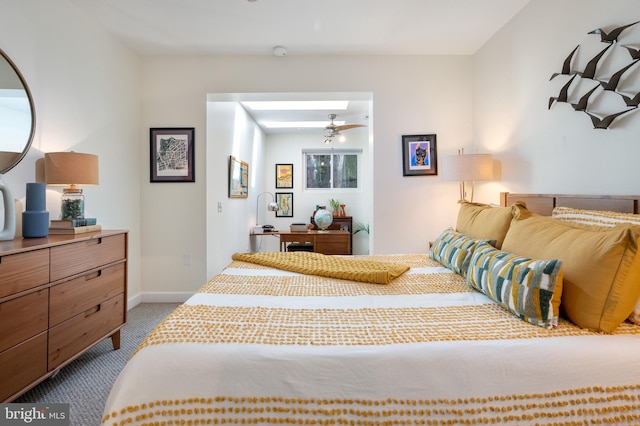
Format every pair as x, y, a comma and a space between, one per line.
59, 296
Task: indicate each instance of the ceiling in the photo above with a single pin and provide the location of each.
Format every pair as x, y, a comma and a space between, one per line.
303, 27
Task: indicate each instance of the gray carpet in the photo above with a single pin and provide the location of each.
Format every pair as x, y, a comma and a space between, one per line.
85, 382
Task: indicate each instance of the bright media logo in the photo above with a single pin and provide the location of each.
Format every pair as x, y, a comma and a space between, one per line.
34, 414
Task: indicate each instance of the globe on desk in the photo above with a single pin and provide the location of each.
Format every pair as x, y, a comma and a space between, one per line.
323, 218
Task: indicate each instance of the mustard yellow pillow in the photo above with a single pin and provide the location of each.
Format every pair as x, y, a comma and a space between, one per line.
484, 221
601, 266
600, 218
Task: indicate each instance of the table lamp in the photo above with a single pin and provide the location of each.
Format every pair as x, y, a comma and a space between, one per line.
71, 169
467, 168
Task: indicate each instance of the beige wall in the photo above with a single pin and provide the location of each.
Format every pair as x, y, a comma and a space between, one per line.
554, 150
94, 95
411, 95
85, 89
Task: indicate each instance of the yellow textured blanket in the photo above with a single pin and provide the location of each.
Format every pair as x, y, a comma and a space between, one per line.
346, 268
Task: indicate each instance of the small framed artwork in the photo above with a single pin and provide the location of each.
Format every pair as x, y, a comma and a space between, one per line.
284, 175
284, 200
419, 155
238, 178
172, 154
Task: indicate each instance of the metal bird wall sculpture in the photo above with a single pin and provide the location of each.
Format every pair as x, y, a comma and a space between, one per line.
612, 36
566, 66
612, 84
632, 102
605, 122
584, 100
564, 92
592, 65
573, 89
635, 53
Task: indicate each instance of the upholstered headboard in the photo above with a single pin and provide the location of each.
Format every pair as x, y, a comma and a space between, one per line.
544, 203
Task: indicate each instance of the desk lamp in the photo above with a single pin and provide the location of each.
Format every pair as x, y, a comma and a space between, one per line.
467, 168
272, 207
70, 169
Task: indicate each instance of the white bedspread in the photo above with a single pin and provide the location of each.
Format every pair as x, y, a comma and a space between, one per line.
261, 346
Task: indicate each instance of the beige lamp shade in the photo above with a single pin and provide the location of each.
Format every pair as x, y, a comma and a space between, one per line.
40, 178
467, 167
70, 168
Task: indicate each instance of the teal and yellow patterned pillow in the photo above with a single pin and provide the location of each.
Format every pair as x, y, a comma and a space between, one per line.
530, 289
453, 250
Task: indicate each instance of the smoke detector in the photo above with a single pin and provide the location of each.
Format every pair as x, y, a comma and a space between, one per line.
280, 51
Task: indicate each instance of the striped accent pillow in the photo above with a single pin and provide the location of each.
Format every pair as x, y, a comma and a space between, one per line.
453, 250
594, 217
528, 288
600, 218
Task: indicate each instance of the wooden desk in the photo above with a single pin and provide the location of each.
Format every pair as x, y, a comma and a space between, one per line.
344, 223
327, 242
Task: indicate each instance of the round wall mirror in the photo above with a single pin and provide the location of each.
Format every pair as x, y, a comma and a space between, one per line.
17, 115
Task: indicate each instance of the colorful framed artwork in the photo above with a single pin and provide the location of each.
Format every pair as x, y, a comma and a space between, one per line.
419, 155
284, 200
238, 178
284, 175
172, 154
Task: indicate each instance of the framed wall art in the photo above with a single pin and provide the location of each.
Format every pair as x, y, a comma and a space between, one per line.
172, 154
284, 200
238, 178
419, 155
284, 175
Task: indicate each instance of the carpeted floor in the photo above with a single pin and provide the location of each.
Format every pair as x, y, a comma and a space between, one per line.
85, 383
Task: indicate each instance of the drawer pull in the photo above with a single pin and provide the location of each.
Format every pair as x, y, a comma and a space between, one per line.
92, 311
94, 241
93, 276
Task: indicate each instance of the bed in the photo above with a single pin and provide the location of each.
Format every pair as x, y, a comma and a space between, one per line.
395, 339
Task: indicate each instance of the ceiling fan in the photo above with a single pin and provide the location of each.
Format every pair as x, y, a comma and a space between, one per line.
332, 130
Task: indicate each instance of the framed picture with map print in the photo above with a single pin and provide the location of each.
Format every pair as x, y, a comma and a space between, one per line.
238, 178
172, 156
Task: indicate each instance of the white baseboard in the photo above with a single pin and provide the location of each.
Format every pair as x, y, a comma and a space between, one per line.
158, 297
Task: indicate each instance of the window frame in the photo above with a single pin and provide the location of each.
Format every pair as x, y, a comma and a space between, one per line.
333, 151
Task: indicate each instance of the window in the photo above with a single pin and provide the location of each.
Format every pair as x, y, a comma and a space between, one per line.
331, 169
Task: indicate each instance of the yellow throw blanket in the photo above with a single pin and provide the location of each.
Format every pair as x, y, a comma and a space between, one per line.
345, 268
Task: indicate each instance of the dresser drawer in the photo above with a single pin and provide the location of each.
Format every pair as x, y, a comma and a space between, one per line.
22, 365
75, 258
23, 317
22, 271
84, 292
73, 336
